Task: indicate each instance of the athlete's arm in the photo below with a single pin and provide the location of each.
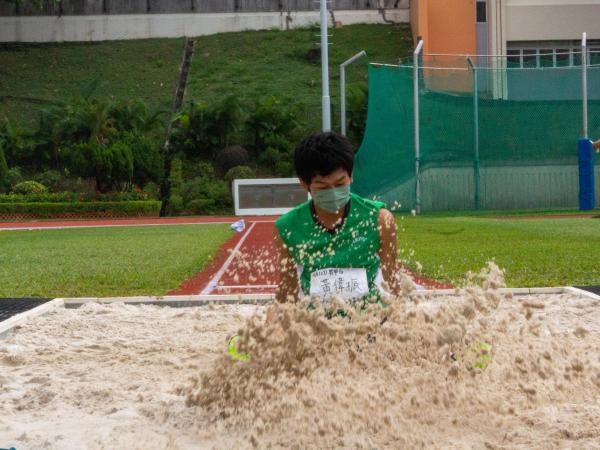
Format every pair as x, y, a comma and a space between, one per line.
388, 253
596, 145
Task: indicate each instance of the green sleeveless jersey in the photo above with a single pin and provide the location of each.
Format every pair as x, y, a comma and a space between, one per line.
355, 244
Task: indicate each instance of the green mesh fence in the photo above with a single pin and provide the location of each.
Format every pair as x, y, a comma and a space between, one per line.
491, 137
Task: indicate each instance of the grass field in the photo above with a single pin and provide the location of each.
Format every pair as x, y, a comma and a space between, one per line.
142, 69
260, 63
114, 261
548, 252
248, 64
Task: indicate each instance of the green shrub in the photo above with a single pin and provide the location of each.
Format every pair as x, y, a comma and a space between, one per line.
152, 191
3, 172
270, 157
61, 197
198, 168
201, 129
110, 166
232, 156
357, 105
13, 177
284, 169
271, 117
175, 203
176, 176
239, 173
29, 187
148, 164
47, 210
44, 197
206, 196
51, 179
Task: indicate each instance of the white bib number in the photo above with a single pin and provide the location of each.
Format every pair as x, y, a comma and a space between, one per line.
349, 284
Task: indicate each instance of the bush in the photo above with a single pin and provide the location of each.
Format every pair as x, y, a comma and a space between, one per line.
151, 191
52, 179
44, 197
270, 157
284, 169
3, 172
229, 157
61, 197
175, 203
357, 112
83, 209
148, 162
239, 173
272, 118
175, 200
201, 129
206, 196
29, 187
110, 165
194, 169
13, 177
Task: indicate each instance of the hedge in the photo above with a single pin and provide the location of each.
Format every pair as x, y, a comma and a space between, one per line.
73, 197
44, 210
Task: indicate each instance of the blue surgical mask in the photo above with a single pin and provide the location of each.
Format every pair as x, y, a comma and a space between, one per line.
333, 199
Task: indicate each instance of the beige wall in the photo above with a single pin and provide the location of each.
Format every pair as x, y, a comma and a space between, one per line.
538, 20
143, 26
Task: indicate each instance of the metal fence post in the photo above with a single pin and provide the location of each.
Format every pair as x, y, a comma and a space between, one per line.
476, 131
343, 87
416, 54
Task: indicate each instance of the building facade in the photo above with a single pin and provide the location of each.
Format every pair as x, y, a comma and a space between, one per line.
533, 32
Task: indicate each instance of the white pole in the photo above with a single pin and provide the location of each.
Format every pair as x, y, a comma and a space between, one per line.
343, 87
584, 84
326, 106
417, 133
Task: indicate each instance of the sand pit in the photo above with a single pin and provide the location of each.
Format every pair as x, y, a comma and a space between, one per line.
121, 376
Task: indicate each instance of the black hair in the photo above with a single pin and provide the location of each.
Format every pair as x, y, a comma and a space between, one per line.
323, 154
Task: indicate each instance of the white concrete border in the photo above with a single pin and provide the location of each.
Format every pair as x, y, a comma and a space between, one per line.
7, 325
229, 299
145, 26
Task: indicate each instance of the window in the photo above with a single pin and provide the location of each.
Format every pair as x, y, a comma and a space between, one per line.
594, 57
546, 57
563, 57
481, 12
514, 58
529, 54
530, 58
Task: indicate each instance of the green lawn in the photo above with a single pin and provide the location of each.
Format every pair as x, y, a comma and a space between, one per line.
149, 260
254, 64
548, 252
141, 69
247, 64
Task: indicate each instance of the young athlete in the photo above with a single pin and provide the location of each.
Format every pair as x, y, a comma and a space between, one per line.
337, 243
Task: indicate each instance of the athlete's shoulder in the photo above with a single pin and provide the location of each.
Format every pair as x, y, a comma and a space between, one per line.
290, 219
